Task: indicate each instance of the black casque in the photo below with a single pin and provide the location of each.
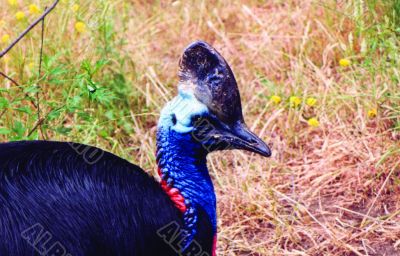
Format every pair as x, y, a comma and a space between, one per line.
215, 83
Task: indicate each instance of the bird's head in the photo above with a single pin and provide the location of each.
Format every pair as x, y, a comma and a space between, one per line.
208, 104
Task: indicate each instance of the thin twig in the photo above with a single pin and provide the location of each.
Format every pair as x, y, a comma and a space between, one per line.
41, 120
9, 78
40, 72
31, 26
38, 124
19, 86
3, 112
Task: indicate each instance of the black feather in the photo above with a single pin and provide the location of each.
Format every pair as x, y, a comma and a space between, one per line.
106, 207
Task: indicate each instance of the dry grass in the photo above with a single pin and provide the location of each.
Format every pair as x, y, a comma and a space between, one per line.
330, 190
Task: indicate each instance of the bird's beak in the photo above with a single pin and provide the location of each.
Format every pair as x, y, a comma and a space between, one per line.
242, 138
220, 136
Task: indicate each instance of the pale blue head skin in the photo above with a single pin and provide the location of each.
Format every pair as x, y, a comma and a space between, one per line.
183, 108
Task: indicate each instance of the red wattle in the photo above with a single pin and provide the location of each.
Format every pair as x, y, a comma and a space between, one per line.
174, 194
214, 248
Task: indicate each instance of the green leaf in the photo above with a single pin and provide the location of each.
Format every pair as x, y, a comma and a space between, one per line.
32, 89
24, 110
4, 103
103, 133
54, 114
19, 129
4, 131
63, 130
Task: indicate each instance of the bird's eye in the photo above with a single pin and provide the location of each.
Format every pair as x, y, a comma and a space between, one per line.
195, 119
173, 118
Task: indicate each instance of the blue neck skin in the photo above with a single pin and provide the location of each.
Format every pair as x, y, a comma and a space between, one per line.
182, 160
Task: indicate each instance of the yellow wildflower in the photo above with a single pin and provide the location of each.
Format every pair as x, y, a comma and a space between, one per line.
372, 113
34, 9
313, 122
5, 38
311, 101
31, 65
80, 27
75, 7
12, 2
344, 62
20, 15
294, 101
276, 99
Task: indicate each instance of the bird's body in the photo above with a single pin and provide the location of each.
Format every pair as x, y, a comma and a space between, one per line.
88, 208
59, 198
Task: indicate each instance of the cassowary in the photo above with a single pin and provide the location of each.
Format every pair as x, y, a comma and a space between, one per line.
59, 198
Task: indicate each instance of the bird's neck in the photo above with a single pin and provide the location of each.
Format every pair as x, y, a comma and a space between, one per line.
184, 176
